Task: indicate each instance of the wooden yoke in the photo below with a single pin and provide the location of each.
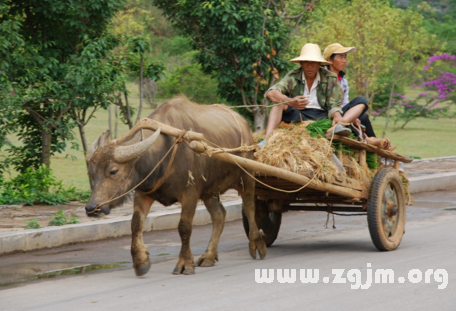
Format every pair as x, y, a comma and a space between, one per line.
153, 125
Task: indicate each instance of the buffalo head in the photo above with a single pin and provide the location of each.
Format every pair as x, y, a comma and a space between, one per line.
111, 171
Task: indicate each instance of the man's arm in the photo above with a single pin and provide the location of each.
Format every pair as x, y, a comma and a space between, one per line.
335, 100
299, 102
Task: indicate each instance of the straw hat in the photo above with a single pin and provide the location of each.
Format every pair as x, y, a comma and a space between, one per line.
311, 53
336, 48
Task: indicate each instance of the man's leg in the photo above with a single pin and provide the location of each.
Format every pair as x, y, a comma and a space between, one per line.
275, 117
364, 118
354, 109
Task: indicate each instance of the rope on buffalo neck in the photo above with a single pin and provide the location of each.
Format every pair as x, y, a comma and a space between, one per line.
174, 147
162, 179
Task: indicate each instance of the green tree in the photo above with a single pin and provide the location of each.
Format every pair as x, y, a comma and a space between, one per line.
243, 44
96, 76
191, 81
50, 36
390, 44
439, 16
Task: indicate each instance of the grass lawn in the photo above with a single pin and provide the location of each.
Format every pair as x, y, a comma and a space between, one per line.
424, 138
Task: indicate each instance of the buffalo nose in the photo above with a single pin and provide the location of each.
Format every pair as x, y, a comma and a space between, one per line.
90, 210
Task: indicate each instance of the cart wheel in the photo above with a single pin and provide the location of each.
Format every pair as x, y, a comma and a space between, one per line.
267, 221
386, 210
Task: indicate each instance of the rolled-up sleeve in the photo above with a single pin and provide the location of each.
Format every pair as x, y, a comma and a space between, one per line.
282, 86
335, 100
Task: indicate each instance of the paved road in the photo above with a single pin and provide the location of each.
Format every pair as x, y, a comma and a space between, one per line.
429, 243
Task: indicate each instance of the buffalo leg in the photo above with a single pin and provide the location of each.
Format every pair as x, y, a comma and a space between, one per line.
247, 192
185, 264
218, 213
139, 252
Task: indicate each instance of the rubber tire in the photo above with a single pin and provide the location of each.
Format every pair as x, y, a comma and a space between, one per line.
376, 214
268, 222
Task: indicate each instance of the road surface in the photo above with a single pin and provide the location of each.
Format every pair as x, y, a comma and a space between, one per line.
424, 268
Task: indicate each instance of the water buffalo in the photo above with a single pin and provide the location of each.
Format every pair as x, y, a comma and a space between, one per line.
117, 166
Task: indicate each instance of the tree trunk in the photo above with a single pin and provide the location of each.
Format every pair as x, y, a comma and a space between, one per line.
259, 118
83, 135
388, 110
84, 146
46, 147
127, 104
141, 86
116, 120
110, 121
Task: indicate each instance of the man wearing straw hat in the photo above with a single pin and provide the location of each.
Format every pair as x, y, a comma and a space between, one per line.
337, 55
310, 93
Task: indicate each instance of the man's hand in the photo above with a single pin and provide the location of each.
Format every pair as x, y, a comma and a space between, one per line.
300, 102
357, 122
337, 118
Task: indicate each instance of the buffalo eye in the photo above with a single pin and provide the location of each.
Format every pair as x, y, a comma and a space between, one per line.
113, 171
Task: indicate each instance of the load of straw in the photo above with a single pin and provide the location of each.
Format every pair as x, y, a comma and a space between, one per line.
301, 147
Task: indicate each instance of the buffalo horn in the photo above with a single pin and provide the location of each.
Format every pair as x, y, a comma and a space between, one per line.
127, 153
99, 142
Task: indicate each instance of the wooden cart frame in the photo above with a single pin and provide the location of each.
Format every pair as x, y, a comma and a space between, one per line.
384, 200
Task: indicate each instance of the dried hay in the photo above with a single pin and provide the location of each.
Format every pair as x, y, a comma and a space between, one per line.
292, 148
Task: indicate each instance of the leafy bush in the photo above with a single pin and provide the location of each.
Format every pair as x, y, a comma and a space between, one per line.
177, 45
32, 224
73, 194
61, 219
38, 186
407, 110
381, 98
191, 81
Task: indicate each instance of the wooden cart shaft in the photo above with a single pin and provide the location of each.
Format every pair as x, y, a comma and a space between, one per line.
347, 188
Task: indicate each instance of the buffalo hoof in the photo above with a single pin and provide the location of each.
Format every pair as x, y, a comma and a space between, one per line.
184, 270
142, 269
259, 245
207, 260
205, 263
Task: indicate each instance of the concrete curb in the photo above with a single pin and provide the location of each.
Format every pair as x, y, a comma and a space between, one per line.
434, 159
49, 237
432, 182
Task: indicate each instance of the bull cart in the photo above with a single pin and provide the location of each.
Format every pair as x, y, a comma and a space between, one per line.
384, 199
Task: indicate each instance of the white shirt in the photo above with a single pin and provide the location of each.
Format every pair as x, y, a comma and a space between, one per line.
313, 100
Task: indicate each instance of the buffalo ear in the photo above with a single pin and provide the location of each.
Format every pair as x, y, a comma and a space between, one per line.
101, 141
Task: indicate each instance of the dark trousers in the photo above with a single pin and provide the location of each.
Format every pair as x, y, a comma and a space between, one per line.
295, 115
364, 117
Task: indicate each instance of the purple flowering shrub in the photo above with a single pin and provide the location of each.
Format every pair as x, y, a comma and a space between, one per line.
432, 104
424, 106
442, 82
